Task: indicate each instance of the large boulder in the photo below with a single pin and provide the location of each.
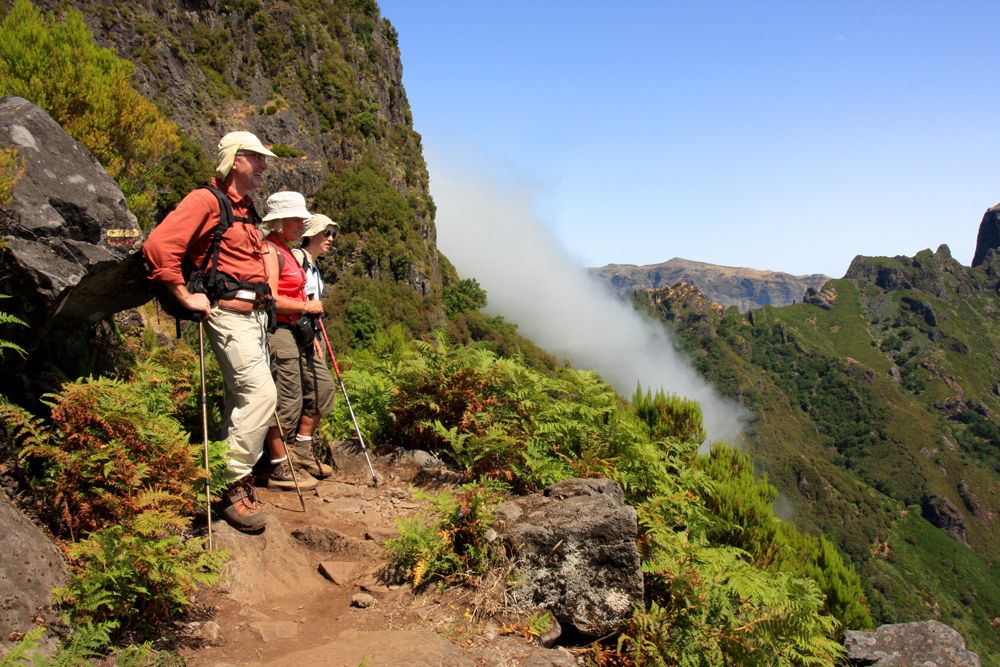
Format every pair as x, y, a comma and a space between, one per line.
575, 545
930, 643
65, 234
30, 567
67, 240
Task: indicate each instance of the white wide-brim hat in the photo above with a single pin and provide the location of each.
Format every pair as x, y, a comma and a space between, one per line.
282, 205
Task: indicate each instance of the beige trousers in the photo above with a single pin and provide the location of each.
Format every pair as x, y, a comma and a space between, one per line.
240, 344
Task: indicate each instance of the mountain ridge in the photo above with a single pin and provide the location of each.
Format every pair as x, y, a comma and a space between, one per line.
742, 287
373, 260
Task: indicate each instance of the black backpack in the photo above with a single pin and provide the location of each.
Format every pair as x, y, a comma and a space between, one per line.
206, 279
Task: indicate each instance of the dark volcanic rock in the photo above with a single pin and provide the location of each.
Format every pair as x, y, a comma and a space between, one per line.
920, 308
30, 567
886, 276
66, 231
936, 273
927, 643
943, 514
988, 239
576, 549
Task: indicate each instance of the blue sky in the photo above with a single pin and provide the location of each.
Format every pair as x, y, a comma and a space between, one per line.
789, 136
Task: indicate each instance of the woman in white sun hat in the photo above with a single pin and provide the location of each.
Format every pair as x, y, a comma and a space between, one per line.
318, 389
292, 345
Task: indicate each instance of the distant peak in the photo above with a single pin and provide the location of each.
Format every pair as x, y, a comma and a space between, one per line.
730, 286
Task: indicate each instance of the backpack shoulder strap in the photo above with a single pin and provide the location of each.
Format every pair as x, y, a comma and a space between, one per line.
255, 218
226, 217
225, 222
300, 256
281, 255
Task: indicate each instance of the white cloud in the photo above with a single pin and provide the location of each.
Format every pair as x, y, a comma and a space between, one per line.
487, 227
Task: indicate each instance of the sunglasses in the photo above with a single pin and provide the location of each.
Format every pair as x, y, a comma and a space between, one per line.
250, 155
329, 233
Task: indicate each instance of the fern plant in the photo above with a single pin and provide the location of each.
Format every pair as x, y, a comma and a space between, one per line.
139, 573
7, 318
86, 641
108, 441
451, 539
710, 606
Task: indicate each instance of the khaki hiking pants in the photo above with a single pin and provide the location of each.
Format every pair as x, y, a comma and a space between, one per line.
305, 386
240, 344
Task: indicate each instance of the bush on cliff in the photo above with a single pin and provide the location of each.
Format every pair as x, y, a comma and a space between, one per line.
55, 64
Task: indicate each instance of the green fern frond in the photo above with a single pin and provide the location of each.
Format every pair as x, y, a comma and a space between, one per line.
29, 431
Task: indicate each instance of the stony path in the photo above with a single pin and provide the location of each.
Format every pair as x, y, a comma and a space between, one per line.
276, 607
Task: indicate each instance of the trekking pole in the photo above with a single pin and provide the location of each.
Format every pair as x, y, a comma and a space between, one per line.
288, 457
336, 368
204, 430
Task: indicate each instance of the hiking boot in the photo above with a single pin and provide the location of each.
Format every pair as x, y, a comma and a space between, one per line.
241, 509
304, 458
281, 478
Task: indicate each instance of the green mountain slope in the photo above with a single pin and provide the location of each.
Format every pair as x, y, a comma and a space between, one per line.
862, 436
876, 408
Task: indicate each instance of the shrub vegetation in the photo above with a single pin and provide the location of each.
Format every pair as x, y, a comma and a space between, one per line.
116, 476
87, 90
727, 582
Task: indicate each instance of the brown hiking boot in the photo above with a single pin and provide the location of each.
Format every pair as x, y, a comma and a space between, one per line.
240, 507
281, 478
304, 458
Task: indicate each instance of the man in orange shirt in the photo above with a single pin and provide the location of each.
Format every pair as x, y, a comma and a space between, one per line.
235, 317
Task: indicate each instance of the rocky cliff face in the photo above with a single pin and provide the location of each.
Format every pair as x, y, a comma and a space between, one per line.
320, 82
988, 239
728, 286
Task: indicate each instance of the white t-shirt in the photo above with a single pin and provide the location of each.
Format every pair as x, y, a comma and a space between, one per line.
314, 281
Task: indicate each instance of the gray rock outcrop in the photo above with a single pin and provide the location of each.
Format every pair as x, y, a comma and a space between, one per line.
988, 239
927, 643
575, 545
937, 273
65, 233
30, 567
943, 514
726, 285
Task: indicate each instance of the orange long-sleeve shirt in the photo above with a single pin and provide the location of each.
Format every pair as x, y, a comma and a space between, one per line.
187, 232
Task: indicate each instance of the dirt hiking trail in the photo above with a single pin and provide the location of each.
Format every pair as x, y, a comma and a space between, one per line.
309, 591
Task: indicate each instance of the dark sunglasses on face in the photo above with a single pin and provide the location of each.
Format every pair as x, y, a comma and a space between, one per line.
329, 233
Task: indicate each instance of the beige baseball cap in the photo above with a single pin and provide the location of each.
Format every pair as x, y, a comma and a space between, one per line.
317, 224
233, 143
